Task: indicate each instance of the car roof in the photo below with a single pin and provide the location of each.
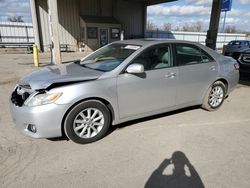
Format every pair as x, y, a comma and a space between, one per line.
239, 41
145, 42
152, 41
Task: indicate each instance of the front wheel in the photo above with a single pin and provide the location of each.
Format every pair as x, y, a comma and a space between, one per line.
87, 122
215, 96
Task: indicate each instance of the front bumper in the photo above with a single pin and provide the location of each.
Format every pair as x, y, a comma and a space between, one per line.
46, 118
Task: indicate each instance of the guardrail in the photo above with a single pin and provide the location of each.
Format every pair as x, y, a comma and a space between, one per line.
222, 39
27, 45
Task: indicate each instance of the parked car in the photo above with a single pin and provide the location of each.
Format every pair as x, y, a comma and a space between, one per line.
244, 61
122, 81
236, 47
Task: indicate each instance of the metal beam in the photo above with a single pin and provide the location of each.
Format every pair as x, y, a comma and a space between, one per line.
34, 23
214, 24
54, 34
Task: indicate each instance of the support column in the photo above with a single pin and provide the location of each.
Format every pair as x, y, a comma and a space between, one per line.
54, 34
35, 24
214, 24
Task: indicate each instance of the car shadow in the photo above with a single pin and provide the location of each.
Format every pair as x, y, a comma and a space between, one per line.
244, 79
176, 172
62, 138
132, 122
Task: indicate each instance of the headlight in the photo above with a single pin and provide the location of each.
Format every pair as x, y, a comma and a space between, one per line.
42, 99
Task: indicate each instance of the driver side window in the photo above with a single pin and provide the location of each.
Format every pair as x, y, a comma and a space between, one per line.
156, 57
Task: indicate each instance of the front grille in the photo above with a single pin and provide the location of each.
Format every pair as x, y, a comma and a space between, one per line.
18, 98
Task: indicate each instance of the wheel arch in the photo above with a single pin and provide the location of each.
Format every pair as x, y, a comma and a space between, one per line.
225, 82
205, 104
104, 101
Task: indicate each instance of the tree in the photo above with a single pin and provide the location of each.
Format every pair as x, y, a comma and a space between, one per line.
230, 29
193, 27
167, 27
16, 19
177, 28
151, 26
197, 26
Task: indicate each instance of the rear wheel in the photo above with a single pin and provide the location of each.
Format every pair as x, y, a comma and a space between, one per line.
87, 122
215, 96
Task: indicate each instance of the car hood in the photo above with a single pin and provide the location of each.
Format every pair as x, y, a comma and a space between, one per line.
235, 48
62, 74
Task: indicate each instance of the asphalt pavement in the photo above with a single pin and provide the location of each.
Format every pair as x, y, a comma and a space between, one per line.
185, 148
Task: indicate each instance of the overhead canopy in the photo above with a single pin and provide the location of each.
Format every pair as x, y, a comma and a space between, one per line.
99, 19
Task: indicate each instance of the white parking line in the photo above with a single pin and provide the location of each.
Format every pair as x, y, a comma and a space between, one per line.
214, 123
192, 124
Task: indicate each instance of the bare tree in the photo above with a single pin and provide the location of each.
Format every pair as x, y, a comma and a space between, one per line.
197, 26
151, 26
193, 27
230, 29
187, 27
167, 27
177, 28
16, 19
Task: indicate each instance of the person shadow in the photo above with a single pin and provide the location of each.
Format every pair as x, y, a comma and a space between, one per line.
176, 172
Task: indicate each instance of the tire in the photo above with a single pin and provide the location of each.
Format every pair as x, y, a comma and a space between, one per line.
208, 103
87, 122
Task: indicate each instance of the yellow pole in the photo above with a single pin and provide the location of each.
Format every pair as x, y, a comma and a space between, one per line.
36, 57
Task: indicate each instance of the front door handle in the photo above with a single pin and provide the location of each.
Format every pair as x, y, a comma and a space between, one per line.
212, 68
170, 75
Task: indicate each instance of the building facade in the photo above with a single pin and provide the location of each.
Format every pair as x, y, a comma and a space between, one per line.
89, 24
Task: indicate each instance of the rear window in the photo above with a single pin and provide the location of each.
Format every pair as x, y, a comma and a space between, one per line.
232, 43
187, 54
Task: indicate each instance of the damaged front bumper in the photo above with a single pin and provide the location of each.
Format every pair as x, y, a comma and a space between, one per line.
39, 121
46, 118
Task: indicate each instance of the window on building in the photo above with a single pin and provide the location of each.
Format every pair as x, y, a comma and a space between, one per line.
82, 33
115, 33
92, 32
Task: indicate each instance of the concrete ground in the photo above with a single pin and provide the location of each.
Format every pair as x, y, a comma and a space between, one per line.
207, 149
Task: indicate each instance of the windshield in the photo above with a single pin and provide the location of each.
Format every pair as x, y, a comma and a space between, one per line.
109, 57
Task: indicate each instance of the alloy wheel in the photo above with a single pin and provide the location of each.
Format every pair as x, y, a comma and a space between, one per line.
216, 96
88, 123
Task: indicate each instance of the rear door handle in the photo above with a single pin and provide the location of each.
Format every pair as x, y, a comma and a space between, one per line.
170, 75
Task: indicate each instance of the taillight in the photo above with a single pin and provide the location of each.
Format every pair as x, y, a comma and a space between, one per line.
236, 66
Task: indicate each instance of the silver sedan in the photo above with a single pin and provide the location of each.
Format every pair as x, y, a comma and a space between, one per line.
122, 81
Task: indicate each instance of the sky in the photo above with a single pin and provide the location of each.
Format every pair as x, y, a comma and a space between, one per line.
9, 8
177, 13
181, 12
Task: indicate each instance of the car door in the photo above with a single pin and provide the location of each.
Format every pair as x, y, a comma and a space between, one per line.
153, 90
197, 71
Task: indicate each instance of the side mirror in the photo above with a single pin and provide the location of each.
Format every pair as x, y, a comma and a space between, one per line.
135, 69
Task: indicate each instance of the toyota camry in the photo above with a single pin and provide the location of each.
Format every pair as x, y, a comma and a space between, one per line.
122, 81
